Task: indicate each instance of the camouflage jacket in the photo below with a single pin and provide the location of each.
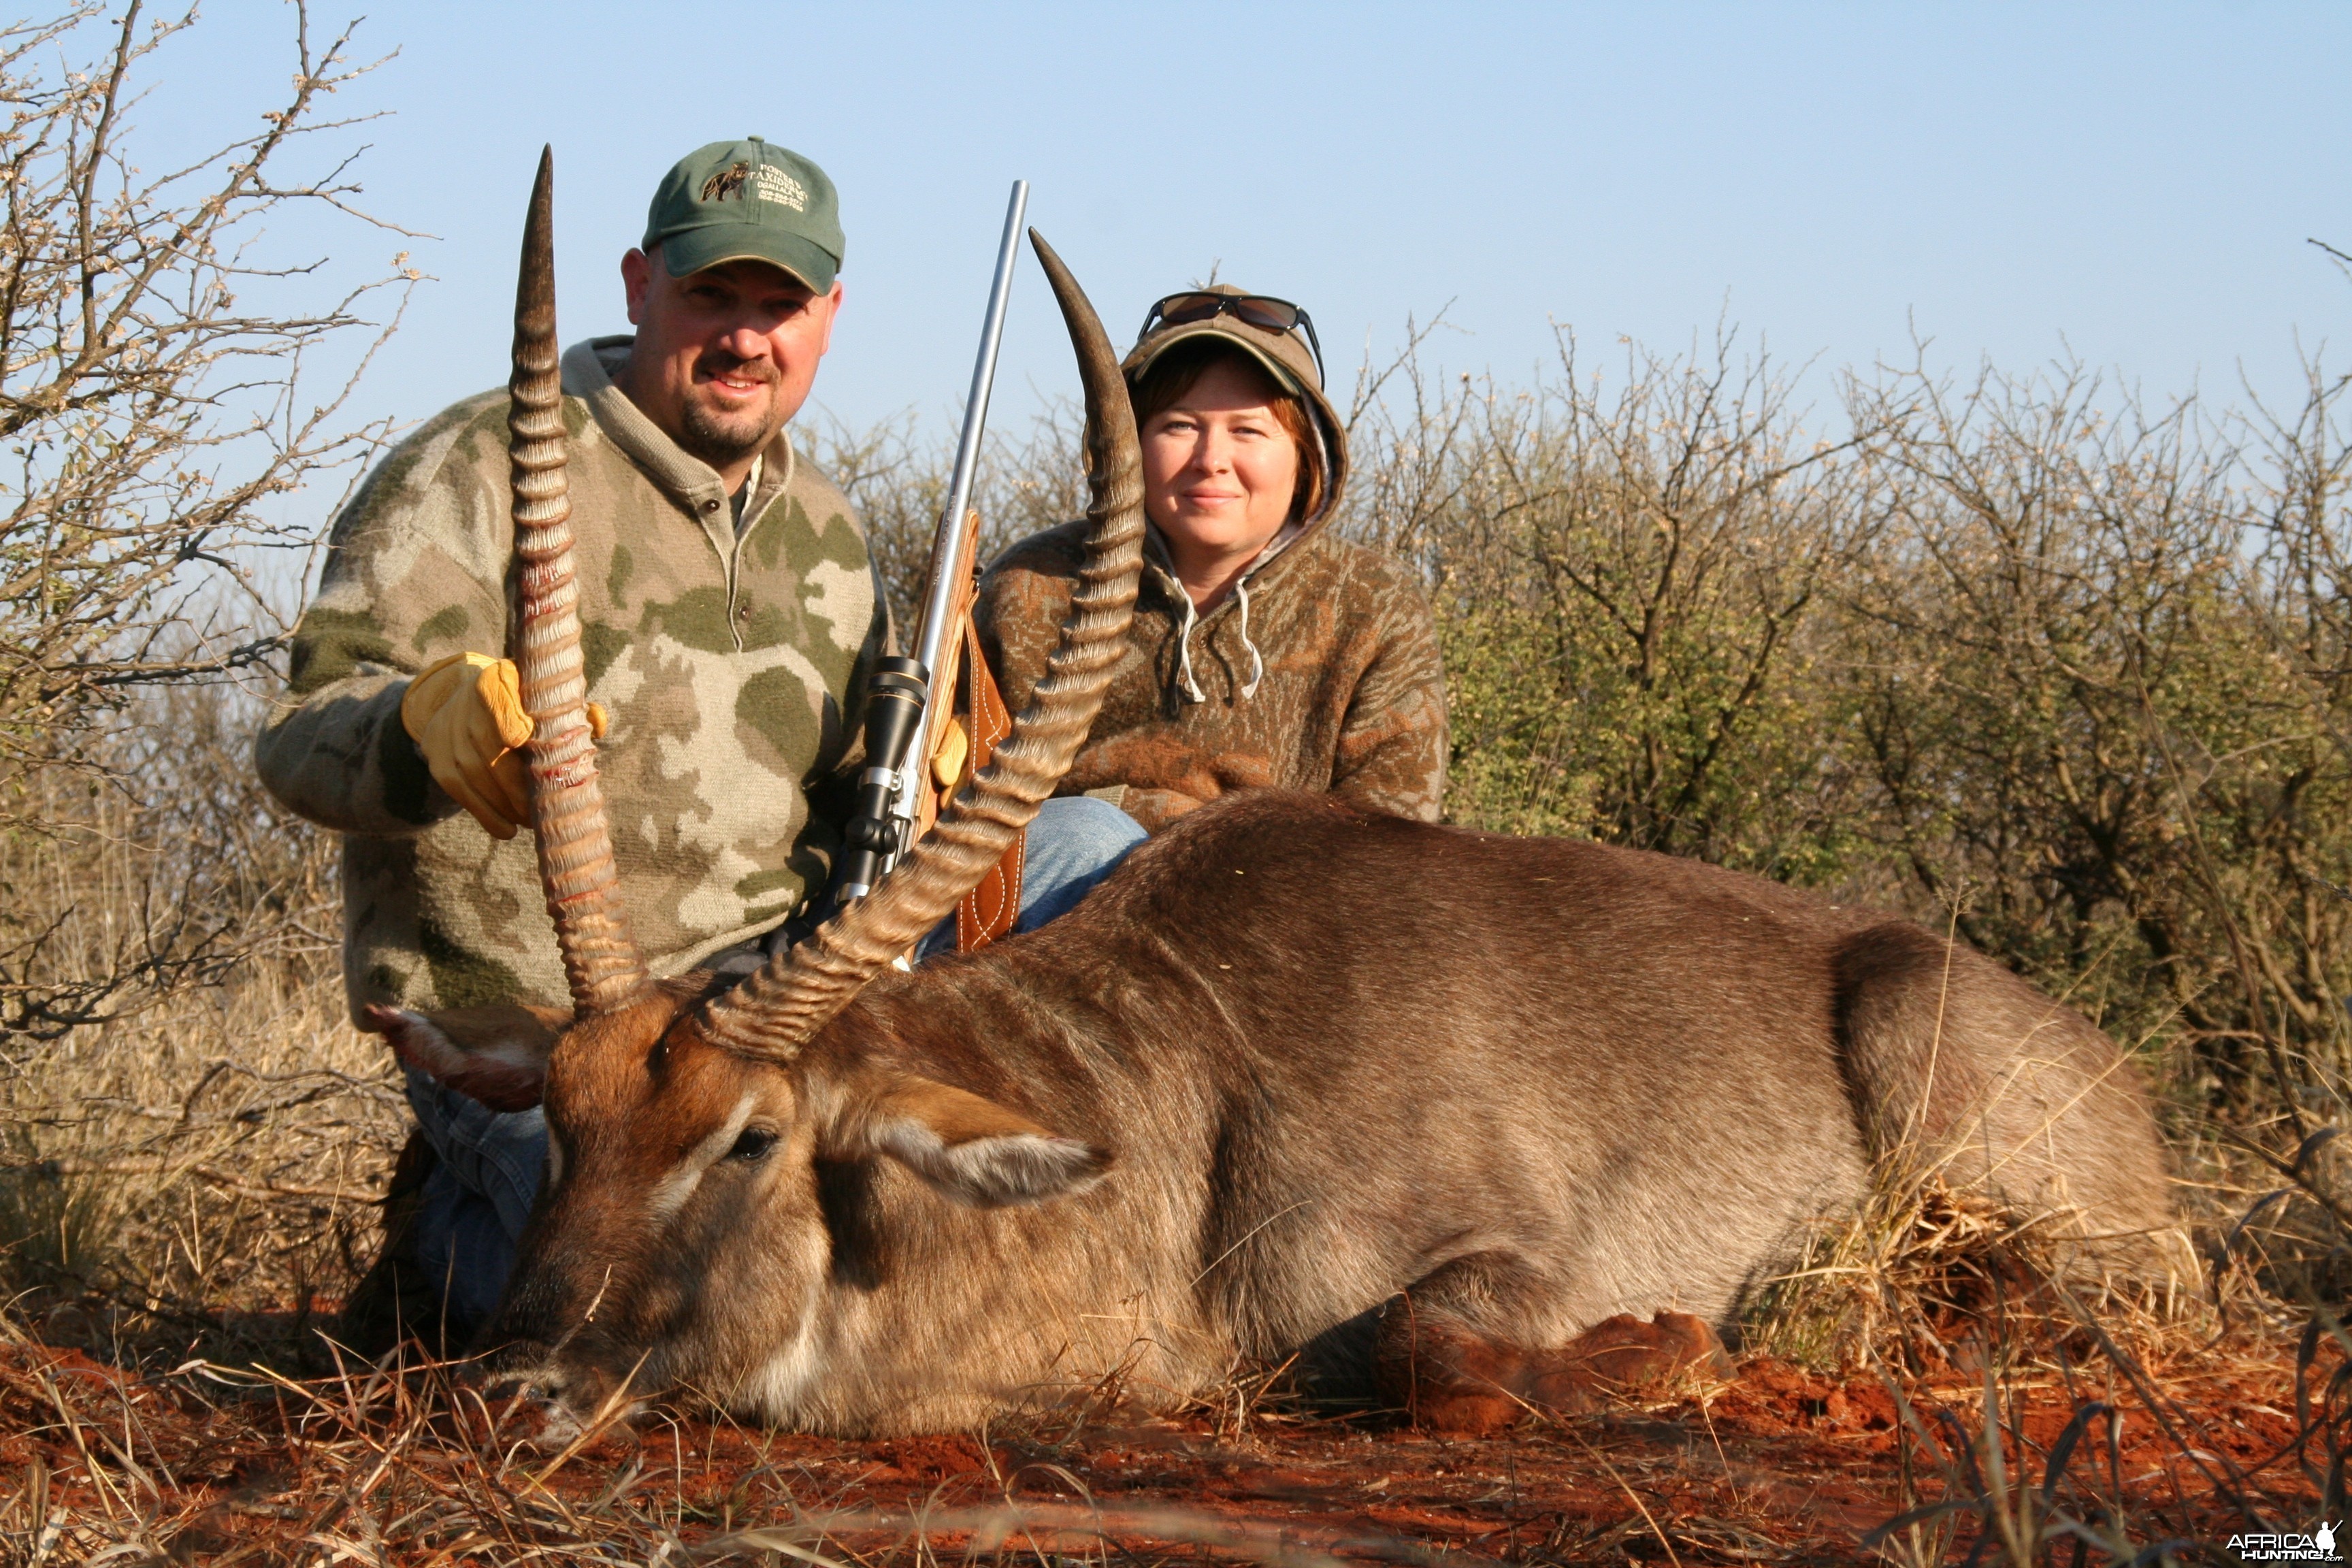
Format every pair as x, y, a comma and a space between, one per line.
1320, 672
730, 664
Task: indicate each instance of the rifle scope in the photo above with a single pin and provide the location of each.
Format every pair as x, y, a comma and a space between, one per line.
870, 839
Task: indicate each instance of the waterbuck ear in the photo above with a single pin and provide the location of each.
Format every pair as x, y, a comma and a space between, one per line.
974, 1150
496, 1055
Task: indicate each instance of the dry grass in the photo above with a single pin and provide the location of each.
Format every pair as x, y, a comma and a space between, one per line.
199, 1180
192, 1172
1917, 1273
407, 1462
2033, 1447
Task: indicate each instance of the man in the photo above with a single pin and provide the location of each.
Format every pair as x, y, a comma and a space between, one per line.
731, 612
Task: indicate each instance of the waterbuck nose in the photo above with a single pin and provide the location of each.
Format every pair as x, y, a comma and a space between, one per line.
521, 1369
542, 1401
520, 1386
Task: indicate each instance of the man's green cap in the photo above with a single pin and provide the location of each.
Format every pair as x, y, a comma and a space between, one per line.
747, 201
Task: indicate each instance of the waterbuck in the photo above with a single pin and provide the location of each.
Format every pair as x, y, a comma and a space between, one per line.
1488, 1116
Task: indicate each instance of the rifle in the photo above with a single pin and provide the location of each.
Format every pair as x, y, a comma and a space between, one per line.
903, 720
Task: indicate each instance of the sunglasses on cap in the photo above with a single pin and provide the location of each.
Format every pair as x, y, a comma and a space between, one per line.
1258, 310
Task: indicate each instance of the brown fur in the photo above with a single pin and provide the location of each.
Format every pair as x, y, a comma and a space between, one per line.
1290, 1065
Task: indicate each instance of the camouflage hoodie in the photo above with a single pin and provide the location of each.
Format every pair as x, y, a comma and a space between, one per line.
1319, 671
729, 661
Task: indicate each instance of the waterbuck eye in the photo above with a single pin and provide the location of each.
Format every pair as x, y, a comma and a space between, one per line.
753, 1144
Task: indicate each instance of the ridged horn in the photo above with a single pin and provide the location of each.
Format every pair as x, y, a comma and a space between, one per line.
773, 1014
567, 806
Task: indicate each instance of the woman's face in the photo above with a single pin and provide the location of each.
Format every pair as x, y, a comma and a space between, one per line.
1219, 470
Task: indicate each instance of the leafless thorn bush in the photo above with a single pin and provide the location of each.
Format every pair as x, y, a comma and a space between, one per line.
896, 473
187, 1129
151, 387
156, 412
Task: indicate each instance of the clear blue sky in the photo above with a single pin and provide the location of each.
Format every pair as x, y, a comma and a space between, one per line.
2135, 182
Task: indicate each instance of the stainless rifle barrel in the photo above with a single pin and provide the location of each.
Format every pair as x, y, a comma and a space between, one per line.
939, 605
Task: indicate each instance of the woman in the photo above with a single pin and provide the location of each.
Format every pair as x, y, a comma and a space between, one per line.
1267, 652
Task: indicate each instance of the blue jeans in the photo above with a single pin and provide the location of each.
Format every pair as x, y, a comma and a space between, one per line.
488, 1163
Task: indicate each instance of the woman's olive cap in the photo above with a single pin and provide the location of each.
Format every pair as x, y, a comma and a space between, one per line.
1284, 356
747, 201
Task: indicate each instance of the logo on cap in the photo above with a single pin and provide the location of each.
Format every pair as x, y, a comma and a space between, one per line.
775, 185
728, 182
769, 183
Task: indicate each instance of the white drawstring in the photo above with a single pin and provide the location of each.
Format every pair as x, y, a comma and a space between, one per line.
1192, 691
1257, 665
1188, 684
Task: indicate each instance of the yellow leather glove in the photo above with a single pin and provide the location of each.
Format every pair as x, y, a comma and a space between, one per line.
465, 714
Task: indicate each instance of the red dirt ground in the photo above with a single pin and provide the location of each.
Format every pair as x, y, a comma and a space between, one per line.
1776, 1464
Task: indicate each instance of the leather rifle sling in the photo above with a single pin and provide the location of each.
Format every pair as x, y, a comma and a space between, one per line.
989, 910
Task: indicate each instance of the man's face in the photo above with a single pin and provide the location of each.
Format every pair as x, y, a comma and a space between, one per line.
723, 356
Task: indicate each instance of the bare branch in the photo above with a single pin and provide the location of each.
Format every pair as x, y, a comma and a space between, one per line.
158, 408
